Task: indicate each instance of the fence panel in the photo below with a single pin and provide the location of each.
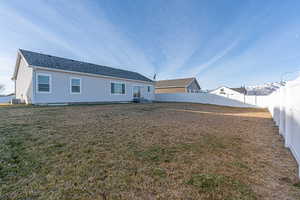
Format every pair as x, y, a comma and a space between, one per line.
205, 98
284, 106
292, 129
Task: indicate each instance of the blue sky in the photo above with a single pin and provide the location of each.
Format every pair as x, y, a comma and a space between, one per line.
221, 42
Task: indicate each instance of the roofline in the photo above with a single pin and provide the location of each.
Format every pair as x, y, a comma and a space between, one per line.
77, 60
19, 54
227, 88
89, 74
185, 86
238, 91
220, 87
194, 79
171, 87
176, 79
191, 81
17, 65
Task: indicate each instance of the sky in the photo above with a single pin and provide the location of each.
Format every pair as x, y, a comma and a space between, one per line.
220, 42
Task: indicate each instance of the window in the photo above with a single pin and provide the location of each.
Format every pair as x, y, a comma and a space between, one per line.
75, 85
117, 88
149, 88
43, 83
137, 91
222, 91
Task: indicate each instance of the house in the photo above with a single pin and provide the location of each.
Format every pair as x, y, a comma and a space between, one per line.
185, 85
232, 93
46, 79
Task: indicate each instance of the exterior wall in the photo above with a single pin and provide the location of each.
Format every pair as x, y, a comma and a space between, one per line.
93, 89
170, 90
23, 82
193, 87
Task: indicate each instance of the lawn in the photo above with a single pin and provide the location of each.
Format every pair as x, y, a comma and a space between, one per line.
143, 151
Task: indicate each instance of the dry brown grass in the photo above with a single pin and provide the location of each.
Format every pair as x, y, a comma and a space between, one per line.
143, 151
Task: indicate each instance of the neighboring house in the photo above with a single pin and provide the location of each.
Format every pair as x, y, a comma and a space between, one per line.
45, 79
185, 85
6, 98
233, 93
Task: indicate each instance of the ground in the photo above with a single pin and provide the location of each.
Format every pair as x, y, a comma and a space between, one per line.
143, 151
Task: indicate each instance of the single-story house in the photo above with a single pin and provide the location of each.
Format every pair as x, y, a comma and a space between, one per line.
185, 85
233, 93
46, 79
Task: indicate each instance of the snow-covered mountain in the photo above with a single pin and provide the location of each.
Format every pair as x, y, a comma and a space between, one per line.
264, 89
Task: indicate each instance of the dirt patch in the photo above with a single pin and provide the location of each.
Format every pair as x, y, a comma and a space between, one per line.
143, 151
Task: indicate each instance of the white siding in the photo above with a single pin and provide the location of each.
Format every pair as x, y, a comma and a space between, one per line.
93, 89
24, 82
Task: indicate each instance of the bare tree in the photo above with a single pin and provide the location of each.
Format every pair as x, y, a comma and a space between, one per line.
1, 88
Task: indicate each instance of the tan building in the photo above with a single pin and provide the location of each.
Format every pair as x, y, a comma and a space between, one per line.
185, 85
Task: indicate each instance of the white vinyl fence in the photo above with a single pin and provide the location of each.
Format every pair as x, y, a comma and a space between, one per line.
208, 98
6, 99
255, 100
283, 104
285, 109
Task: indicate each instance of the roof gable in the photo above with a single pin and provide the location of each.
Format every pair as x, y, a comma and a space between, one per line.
184, 82
58, 63
194, 82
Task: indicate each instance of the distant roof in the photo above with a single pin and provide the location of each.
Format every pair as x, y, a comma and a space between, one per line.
241, 90
173, 83
7, 95
53, 62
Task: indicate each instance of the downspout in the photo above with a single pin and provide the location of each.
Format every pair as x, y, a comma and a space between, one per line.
15, 88
33, 86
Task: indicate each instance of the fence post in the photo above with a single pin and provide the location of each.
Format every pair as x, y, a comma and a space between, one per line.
282, 111
288, 117
277, 108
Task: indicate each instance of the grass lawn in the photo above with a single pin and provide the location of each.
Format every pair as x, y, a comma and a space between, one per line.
143, 151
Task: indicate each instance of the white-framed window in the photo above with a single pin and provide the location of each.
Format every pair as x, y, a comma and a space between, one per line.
75, 85
43, 83
149, 88
117, 88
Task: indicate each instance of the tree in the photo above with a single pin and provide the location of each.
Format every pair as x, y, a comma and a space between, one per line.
1, 88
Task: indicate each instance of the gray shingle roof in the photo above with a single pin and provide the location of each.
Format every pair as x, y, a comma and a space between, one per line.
53, 62
241, 90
